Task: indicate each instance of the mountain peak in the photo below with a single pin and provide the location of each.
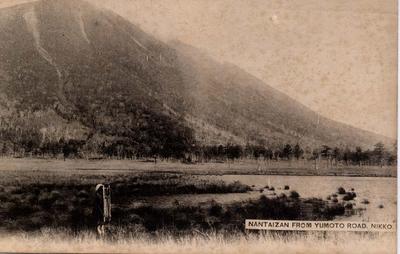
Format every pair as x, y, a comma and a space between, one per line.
88, 74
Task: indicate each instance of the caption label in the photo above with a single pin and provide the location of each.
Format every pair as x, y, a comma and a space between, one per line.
295, 225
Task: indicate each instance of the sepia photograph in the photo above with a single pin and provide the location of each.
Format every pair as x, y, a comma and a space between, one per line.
198, 126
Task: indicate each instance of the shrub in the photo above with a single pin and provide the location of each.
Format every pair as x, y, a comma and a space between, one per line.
287, 187
380, 206
45, 201
60, 205
83, 194
335, 200
215, 209
4, 197
349, 196
135, 219
238, 187
54, 195
349, 206
31, 199
19, 210
335, 210
365, 201
294, 195
341, 191
282, 195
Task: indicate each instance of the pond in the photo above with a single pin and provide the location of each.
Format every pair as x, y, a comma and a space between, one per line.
379, 191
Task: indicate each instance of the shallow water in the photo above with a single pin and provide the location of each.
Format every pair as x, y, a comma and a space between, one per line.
377, 190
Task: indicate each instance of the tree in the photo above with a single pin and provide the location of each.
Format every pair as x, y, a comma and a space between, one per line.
233, 151
287, 151
327, 152
379, 152
298, 151
358, 155
337, 154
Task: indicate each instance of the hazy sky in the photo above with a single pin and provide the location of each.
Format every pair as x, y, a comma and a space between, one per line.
338, 57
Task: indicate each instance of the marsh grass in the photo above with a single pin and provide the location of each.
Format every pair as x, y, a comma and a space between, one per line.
61, 241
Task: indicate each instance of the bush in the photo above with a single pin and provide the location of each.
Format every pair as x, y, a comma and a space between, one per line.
380, 206
335, 210
54, 195
286, 187
365, 201
238, 187
341, 191
4, 197
45, 200
282, 195
294, 195
349, 206
349, 196
83, 194
31, 199
215, 209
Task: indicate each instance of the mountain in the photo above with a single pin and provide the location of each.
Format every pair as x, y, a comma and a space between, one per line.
72, 71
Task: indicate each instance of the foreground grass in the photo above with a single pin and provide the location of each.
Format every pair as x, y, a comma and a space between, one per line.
315, 242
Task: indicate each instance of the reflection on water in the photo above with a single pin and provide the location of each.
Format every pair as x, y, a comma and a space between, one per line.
379, 191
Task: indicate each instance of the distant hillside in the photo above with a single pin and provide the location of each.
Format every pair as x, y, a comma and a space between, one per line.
70, 71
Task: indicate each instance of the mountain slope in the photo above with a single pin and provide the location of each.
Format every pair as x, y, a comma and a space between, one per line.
76, 72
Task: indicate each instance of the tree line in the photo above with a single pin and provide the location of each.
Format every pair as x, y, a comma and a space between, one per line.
180, 147
378, 156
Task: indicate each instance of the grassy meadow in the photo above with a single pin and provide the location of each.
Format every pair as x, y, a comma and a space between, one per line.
47, 205
311, 243
297, 168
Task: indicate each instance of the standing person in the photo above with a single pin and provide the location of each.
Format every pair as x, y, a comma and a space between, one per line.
102, 208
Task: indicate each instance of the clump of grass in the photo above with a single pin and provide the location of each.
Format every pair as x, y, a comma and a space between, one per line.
238, 187
341, 191
349, 196
287, 187
365, 201
349, 206
294, 194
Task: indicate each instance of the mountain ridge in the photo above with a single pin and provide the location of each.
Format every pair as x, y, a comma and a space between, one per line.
81, 72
